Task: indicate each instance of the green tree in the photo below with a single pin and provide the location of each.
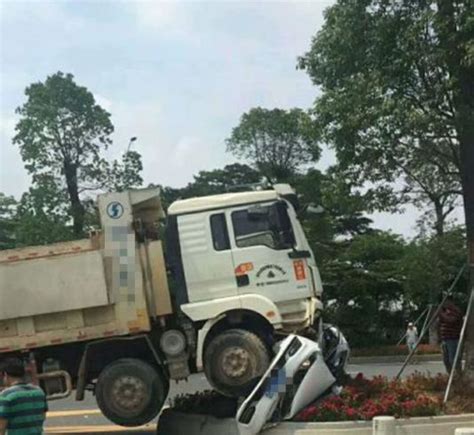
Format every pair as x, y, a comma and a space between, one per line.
342, 212
397, 81
125, 174
7, 221
41, 214
387, 101
61, 134
364, 287
429, 266
230, 178
277, 142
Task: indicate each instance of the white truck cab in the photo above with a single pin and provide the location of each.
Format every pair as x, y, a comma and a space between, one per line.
241, 259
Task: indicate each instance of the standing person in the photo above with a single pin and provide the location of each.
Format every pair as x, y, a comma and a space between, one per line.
22, 406
412, 336
450, 325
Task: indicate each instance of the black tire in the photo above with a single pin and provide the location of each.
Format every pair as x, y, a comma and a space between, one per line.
131, 392
234, 359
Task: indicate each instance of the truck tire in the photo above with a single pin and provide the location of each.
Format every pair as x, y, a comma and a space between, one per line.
233, 359
131, 392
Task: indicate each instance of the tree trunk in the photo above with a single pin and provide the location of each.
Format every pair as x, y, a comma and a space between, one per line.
466, 142
77, 209
440, 217
469, 341
454, 43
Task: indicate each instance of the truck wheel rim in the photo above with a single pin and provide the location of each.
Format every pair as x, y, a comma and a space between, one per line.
129, 393
235, 362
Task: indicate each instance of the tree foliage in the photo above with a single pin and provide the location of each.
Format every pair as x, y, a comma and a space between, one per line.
7, 221
231, 178
42, 216
364, 287
430, 266
277, 142
61, 133
397, 81
388, 99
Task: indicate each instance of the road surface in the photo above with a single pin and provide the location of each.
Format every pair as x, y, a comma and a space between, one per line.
68, 416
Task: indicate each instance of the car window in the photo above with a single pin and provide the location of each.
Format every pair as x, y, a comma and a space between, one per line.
265, 228
220, 235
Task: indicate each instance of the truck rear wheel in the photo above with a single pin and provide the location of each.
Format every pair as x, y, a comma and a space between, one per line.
233, 359
131, 392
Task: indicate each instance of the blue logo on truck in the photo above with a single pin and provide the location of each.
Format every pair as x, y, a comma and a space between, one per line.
115, 210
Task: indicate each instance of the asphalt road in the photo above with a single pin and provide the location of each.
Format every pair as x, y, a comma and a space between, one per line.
68, 416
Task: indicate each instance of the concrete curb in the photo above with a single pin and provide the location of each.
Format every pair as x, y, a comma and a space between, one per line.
394, 359
176, 423
443, 425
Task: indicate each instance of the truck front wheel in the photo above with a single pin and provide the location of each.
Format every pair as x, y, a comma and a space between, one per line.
130, 392
233, 359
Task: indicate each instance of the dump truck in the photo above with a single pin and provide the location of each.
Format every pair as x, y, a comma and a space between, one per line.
148, 298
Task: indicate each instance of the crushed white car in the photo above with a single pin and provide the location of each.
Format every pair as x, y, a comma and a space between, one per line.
300, 373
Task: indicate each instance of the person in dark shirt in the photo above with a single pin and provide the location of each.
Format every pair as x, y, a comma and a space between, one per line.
23, 406
450, 324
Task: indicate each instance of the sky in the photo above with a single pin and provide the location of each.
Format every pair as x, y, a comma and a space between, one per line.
178, 75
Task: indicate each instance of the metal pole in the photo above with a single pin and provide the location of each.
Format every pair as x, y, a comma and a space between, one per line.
433, 318
458, 350
430, 307
416, 322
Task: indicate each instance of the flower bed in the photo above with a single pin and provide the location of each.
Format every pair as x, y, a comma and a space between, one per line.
363, 399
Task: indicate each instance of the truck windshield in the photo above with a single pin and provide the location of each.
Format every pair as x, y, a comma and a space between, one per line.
267, 225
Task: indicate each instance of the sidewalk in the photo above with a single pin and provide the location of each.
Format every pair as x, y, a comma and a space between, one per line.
393, 359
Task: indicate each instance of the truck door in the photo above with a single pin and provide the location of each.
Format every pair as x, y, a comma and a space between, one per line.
262, 245
206, 255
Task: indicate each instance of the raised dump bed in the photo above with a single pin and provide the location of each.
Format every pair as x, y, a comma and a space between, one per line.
104, 286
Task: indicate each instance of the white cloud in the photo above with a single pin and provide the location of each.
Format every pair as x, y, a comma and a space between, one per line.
14, 179
7, 128
166, 17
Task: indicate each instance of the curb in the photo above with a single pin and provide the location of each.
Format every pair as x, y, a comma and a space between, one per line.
387, 359
176, 423
443, 425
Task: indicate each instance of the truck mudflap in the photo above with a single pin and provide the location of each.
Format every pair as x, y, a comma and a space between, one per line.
298, 375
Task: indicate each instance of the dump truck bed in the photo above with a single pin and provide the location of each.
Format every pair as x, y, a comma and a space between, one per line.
65, 292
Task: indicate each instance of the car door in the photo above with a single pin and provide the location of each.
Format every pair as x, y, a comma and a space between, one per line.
262, 256
206, 255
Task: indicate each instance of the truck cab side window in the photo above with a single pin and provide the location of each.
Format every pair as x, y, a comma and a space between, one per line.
263, 225
220, 235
